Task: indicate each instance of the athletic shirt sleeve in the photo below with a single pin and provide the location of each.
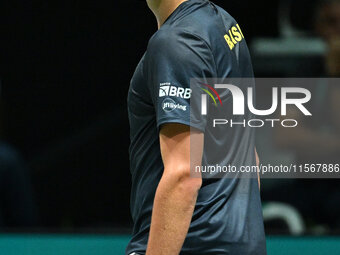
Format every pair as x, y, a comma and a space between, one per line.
176, 57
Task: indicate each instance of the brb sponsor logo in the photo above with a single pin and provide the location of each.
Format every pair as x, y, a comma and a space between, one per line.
168, 105
239, 105
168, 90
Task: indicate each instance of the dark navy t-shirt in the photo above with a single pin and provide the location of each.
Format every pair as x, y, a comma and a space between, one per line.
198, 40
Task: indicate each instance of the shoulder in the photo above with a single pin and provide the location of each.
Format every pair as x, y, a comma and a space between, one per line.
169, 36
178, 43
204, 28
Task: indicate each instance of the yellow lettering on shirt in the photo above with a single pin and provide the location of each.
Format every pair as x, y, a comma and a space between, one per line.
230, 43
238, 36
240, 30
234, 36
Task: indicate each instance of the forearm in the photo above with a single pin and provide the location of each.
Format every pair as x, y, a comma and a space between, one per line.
172, 212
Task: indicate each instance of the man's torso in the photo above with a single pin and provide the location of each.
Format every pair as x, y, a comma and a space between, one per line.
228, 216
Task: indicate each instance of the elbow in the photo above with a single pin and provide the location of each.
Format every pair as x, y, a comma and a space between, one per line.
181, 178
190, 184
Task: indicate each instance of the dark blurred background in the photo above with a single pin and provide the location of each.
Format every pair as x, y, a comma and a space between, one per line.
65, 72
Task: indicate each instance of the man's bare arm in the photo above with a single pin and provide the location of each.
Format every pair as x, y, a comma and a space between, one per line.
177, 191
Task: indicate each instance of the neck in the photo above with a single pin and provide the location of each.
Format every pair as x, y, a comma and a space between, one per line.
162, 9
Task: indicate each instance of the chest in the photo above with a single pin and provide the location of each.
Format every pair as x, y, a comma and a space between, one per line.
139, 100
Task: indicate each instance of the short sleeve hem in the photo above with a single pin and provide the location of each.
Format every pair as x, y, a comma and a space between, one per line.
198, 126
